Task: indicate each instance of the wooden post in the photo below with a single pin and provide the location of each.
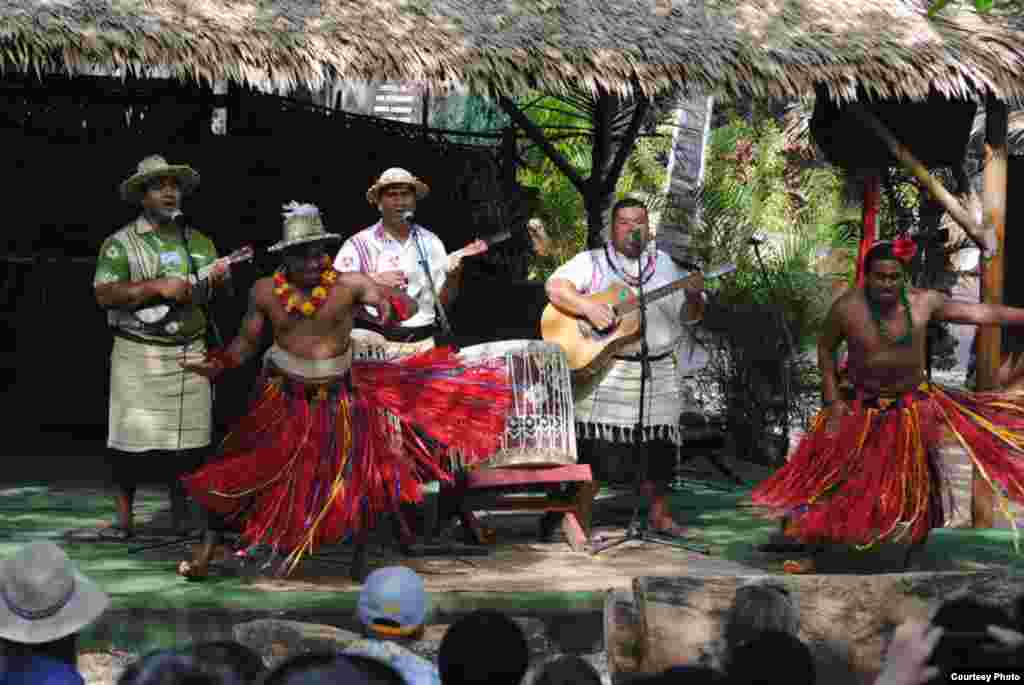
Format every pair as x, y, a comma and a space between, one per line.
992, 269
869, 228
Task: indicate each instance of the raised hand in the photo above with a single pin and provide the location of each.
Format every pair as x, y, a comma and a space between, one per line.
906, 662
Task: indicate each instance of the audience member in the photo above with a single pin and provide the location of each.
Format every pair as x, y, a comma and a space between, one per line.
757, 607
567, 670
484, 647
377, 672
316, 669
967, 641
226, 659
46, 604
171, 667
686, 675
393, 608
771, 657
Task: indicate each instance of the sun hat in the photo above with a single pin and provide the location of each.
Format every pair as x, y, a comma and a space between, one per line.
396, 176
393, 601
302, 224
156, 166
43, 597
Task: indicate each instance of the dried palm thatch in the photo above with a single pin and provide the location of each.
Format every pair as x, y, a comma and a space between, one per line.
760, 47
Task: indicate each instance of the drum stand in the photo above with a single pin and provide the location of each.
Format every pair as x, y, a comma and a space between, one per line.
637, 529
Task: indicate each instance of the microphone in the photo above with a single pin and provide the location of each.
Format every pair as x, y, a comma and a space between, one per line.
407, 216
182, 222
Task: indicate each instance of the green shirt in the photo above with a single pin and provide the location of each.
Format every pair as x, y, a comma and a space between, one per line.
138, 252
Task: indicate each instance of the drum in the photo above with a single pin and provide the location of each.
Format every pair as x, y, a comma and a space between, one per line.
540, 429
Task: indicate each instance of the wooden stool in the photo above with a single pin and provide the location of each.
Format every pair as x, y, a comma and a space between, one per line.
577, 519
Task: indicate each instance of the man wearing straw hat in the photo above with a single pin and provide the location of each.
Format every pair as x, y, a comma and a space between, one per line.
158, 414
392, 252
315, 458
44, 604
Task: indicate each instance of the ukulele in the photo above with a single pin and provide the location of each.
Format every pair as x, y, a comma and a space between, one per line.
165, 318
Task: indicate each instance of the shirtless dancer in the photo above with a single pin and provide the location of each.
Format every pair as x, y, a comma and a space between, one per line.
870, 470
316, 459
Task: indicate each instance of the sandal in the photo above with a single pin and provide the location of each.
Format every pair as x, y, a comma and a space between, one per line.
115, 532
673, 530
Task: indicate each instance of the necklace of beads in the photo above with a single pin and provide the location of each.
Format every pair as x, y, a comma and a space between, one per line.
292, 298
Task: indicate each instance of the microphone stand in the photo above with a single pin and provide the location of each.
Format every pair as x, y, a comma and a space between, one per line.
637, 529
185, 233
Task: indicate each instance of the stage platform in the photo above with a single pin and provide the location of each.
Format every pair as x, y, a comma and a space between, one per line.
154, 607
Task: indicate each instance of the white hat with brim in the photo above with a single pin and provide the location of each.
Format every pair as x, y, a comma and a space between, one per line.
302, 225
153, 167
396, 177
43, 597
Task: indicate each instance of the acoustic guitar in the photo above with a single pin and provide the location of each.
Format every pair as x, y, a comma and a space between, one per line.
165, 318
589, 351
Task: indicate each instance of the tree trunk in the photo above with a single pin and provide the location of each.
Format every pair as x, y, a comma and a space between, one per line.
597, 202
990, 337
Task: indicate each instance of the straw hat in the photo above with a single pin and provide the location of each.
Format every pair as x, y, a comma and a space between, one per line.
156, 166
302, 224
43, 597
396, 176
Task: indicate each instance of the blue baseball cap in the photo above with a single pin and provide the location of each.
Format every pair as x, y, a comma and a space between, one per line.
393, 601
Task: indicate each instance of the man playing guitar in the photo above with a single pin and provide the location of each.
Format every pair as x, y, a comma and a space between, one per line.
393, 252
608, 413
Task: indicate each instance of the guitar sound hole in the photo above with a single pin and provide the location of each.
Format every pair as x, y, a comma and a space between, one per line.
588, 332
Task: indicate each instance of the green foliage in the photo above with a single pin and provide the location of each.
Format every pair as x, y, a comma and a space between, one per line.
561, 205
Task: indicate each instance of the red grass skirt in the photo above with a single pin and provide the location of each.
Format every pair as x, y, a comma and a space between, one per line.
312, 463
879, 476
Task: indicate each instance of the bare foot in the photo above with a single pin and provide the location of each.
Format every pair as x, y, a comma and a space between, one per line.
192, 570
799, 566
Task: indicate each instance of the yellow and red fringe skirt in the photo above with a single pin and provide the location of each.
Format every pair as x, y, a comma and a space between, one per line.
314, 462
879, 476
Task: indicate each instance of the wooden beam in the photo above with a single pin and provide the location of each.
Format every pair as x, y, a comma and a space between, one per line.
983, 238
534, 133
989, 354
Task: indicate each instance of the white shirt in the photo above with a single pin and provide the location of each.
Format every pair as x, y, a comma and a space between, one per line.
591, 273
373, 250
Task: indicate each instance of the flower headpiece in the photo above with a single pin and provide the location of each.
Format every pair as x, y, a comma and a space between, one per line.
294, 209
903, 248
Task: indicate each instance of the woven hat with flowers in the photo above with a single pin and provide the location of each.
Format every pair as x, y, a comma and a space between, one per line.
302, 224
153, 167
395, 177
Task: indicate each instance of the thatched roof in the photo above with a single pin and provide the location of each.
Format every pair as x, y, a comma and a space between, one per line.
753, 46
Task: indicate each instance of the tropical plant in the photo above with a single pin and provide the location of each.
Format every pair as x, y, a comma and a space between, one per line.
563, 208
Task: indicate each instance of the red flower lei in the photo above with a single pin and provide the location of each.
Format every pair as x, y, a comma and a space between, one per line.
293, 301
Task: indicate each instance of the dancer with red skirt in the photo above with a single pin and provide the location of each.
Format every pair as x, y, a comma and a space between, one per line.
870, 470
318, 457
